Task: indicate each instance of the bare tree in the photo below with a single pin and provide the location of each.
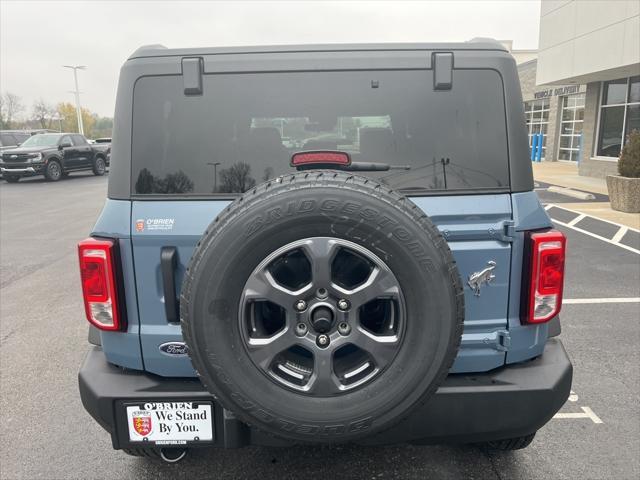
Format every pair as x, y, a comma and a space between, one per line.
12, 105
43, 113
268, 174
237, 178
176, 182
146, 182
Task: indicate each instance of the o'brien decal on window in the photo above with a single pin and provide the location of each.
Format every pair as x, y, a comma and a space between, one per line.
154, 224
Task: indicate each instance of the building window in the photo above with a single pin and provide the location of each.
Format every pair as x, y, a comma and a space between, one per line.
536, 114
619, 114
571, 127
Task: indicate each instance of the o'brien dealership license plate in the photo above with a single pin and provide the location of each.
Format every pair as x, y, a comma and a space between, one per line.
170, 423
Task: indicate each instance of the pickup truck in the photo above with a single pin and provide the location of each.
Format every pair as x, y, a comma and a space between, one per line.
53, 155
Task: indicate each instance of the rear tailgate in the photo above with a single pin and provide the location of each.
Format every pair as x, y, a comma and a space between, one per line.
475, 227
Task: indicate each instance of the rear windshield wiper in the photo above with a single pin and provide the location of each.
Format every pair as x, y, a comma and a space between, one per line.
373, 167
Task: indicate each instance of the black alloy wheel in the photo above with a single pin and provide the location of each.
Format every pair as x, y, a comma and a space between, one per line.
322, 316
53, 171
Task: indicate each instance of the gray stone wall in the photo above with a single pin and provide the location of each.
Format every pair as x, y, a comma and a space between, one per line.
527, 74
555, 112
590, 166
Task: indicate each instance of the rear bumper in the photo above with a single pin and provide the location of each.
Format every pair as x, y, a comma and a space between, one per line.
508, 402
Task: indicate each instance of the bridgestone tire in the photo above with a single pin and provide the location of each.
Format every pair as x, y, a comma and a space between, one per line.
322, 204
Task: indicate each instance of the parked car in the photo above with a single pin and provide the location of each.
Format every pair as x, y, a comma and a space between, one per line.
407, 290
53, 155
12, 138
106, 141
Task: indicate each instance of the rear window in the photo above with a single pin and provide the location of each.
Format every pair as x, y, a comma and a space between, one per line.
244, 128
79, 140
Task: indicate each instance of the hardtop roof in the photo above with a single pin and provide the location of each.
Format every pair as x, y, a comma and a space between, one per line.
482, 44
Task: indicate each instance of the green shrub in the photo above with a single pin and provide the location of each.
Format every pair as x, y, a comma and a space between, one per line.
629, 163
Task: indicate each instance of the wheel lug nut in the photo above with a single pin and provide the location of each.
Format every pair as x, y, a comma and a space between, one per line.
343, 304
322, 340
301, 329
344, 328
300, 305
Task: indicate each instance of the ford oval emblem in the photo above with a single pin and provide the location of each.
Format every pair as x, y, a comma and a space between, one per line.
174, 349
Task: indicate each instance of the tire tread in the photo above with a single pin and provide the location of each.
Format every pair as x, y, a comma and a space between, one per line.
313, 179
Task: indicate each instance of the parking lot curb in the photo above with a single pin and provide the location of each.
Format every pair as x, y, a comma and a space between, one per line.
569, 192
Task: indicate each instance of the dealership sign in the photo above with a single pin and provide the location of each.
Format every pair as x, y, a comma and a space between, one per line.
551, 92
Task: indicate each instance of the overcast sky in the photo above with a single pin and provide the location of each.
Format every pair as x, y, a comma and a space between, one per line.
38, 37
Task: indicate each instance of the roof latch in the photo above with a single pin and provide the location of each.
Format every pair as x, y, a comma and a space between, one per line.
192, 75
442, 70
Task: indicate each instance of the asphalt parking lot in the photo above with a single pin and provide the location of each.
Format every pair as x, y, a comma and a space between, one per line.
45, 432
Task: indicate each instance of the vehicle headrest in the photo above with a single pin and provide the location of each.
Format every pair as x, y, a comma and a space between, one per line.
376, 142
321, 144
265, 137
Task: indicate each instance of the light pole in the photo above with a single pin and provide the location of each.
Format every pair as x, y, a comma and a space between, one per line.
215, 174
75, 69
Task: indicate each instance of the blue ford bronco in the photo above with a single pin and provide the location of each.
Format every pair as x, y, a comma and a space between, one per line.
322, 244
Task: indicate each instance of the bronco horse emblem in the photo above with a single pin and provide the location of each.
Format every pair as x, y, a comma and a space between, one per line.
483, 276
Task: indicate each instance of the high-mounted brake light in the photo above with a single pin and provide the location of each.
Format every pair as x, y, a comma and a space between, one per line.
316, 158
98, 278
545, 276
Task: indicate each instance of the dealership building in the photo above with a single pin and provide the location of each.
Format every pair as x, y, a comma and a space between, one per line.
554, 115
581, 92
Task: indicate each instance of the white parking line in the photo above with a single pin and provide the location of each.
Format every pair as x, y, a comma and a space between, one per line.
587, 413
576, 220
619, 234
569, 301
578, 229
549, 205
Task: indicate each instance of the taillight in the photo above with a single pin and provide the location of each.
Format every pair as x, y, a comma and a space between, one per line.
328, 157
545, 276
98, 278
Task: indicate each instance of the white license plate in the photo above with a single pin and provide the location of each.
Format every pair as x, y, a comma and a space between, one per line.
167, 423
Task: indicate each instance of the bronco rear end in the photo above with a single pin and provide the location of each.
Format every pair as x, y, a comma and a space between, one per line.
319, 245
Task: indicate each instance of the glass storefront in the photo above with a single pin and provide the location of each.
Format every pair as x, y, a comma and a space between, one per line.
571, 123
536, 114
619, 114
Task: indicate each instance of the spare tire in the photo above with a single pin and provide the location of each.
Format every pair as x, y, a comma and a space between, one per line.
322, 307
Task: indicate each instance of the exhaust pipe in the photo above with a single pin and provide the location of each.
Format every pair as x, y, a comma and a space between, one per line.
173, 455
